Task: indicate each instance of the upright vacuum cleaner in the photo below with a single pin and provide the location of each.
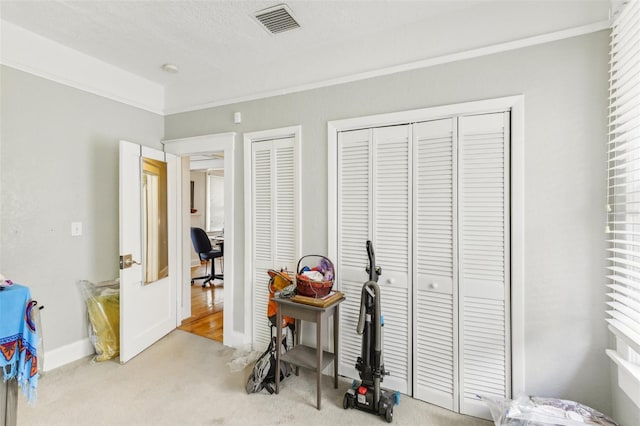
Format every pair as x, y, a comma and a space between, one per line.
367, 394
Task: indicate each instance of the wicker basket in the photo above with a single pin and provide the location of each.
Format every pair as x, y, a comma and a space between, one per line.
311, 288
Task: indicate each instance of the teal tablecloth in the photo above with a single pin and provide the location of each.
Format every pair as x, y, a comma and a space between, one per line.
19, 339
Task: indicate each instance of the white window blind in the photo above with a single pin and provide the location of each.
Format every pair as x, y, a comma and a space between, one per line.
215, 200
623, 191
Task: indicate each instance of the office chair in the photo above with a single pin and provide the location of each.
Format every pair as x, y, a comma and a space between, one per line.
202, 246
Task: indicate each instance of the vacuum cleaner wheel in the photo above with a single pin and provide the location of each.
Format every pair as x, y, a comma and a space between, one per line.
388, 414
346, 401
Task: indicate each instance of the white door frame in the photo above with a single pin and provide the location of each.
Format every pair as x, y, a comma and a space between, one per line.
201, 145
516, 105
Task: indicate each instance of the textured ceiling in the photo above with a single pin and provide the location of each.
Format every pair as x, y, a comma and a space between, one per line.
224, 55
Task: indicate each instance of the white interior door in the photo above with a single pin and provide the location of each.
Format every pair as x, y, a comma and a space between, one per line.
484, 259
374, 204
147, 311
393, 247
461, 188
354, 217
435, 262
274, 226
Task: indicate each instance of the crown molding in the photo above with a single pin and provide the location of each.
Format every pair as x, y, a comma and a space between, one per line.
34, 54
437, 60
29, 52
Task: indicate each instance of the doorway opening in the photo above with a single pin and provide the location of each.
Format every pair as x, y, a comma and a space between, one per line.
207, 213
188, 148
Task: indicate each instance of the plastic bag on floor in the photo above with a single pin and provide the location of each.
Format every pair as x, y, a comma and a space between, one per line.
539, 411
103, 310
242, 357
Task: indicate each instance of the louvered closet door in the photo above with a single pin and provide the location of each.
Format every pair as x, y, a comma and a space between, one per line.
374, 203
274, 233
392, 242
354, 218
435, 263
483, 245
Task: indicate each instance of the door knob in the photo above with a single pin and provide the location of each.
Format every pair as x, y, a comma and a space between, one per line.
433, 285
127, 261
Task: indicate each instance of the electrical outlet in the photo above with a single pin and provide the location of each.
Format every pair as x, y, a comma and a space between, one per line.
76, 229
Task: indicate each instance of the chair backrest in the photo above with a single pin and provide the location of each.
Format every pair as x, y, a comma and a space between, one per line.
200, 240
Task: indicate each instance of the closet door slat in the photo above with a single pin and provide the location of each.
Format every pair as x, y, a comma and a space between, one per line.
285, 203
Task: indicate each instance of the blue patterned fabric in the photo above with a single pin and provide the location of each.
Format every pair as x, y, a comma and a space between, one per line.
19, 339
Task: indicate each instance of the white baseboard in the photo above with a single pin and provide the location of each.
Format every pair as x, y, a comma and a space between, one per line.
64, 355
235, 339
82, 348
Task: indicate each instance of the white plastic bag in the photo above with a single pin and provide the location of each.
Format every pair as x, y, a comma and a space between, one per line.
242, 357
539, 411
103, 311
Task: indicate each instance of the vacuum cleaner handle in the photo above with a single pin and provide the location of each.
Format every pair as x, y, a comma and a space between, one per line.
370, 292
372, 269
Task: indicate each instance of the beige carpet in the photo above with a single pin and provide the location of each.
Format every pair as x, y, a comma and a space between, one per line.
185, 379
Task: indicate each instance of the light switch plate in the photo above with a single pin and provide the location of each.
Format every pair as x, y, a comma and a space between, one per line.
76, 229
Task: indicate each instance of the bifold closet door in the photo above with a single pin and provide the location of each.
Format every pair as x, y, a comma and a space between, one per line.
461, 261
374, 174
354, 217
274, 232
435, 348
434, 198
484, 259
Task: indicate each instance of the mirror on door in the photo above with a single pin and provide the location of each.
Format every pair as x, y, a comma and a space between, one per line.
155, 246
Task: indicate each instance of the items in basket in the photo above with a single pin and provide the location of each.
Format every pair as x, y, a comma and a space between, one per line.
314, 275
317, 280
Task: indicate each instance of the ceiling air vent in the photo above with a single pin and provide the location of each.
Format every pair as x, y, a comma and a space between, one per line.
277, 19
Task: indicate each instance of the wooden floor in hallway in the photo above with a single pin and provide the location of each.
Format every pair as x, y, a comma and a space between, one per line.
206, 308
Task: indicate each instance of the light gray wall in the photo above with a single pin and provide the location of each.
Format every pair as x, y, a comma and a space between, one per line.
59, 165
625, 411
565, 88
